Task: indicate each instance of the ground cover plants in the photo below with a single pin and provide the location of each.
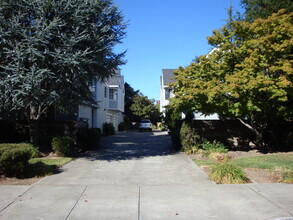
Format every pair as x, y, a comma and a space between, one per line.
222, 169
225, 166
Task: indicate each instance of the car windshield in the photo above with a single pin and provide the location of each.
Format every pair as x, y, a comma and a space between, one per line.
145, 121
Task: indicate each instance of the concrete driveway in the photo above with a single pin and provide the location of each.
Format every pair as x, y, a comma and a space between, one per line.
138, 176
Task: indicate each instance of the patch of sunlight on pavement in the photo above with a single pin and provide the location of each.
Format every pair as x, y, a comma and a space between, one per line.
159, 133
118, 135
124, 143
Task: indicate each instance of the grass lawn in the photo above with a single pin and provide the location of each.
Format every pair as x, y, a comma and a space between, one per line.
45, 166
60, 161
263, 162
267, 161
207, 162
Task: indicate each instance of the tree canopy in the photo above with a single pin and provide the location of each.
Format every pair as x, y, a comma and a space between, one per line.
143, 107
263, 8
52, 50
248, 75
130, 93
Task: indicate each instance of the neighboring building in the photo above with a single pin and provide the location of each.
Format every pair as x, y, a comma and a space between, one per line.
166, 93
109, 107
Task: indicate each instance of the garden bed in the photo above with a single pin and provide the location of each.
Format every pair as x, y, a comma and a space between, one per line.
258, 171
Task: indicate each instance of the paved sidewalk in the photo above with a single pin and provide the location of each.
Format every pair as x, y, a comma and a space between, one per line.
138, 176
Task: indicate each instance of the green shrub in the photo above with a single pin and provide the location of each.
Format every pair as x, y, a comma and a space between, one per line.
227, 173
175, 137
188, 137
108, 129
63, 146
45, 143
82, 139
94, 137
14, 158
213, 147
173, 118
88, 138
122, 126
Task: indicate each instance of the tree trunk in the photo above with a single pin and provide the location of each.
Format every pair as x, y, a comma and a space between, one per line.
257, 130
34, 127
33, 119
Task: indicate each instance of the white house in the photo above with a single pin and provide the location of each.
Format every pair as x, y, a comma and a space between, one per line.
166, 93
109, 107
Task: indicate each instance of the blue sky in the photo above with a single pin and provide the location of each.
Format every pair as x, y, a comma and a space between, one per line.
166, 34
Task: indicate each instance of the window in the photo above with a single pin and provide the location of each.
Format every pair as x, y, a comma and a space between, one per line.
167, 94
113, 94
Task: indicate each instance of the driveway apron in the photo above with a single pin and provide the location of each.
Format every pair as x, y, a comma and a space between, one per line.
137, 175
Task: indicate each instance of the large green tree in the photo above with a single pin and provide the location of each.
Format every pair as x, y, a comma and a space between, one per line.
130, 93
248, 76
263, 8
51, 50
143, 107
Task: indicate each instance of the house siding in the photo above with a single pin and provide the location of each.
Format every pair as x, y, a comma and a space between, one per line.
85, 114
106, 110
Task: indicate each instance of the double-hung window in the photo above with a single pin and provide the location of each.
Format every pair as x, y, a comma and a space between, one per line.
113, 94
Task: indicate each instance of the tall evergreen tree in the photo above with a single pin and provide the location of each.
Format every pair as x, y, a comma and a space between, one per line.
51, 50
263, 8
130, 93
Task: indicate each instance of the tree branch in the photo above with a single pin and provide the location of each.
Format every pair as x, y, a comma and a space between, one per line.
246, 124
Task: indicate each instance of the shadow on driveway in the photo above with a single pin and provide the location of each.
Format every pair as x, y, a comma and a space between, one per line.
132, 145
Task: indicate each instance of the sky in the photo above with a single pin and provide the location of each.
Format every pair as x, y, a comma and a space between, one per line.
166, 34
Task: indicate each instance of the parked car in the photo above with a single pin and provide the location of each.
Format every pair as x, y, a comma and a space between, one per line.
145, 124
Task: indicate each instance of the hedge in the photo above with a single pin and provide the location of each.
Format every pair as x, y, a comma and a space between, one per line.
108, 129
63, 146
122, 126
88, 138
14, 158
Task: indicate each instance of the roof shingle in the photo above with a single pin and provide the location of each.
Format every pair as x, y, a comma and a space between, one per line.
168, 76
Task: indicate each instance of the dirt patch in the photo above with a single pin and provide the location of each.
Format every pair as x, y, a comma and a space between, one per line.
252, 153
259, 175
15, 181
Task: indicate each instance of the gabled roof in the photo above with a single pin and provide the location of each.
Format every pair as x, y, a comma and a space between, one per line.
168, 76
